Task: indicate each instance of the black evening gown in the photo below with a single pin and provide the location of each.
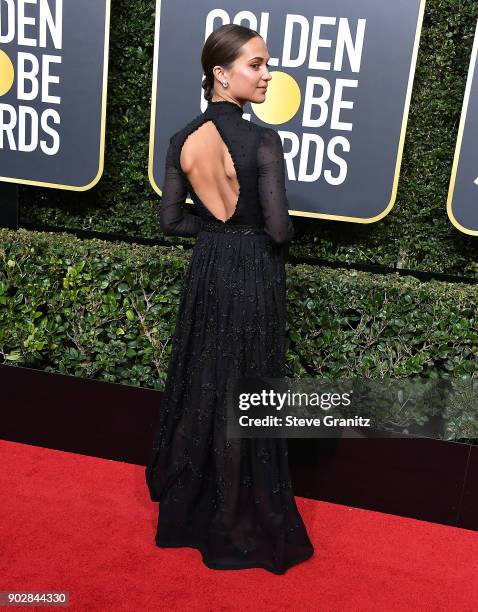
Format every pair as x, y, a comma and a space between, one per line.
232, 499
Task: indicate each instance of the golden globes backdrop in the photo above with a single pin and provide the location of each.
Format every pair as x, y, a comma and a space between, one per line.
342, 77
462, 205
53, 77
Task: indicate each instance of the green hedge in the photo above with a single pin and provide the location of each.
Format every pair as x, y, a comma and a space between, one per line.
103, 310
416, 234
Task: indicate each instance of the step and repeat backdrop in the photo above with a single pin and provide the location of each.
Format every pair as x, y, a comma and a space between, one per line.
53, 81
342, 80
342, 76
462, 203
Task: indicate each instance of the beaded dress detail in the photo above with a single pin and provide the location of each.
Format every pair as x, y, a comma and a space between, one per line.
232, 499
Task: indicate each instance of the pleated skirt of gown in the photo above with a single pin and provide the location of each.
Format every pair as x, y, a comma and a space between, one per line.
232, 499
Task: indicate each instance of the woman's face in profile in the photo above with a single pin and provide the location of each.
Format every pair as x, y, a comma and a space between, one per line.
249, 76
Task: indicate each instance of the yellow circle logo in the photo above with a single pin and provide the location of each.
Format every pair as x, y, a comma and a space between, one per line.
282, 87
6, 73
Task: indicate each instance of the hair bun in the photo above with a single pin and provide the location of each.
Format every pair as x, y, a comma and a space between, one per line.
207, 86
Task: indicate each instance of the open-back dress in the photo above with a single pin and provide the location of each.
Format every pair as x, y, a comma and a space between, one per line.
231, 498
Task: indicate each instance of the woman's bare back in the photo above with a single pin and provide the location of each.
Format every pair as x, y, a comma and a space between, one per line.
206, 161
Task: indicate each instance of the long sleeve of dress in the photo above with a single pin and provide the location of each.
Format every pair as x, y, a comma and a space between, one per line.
173, 220
272, 191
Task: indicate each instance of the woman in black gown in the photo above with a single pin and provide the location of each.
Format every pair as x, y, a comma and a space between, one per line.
232, 499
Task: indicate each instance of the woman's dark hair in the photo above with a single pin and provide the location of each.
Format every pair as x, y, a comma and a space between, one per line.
222, 48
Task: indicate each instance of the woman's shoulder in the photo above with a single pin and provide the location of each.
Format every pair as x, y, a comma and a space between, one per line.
261, 133
268, 133
267, 138
190, 126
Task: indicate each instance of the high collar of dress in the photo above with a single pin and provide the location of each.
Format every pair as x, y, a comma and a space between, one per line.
224, 107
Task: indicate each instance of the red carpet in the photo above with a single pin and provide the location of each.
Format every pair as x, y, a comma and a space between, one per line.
86, 526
